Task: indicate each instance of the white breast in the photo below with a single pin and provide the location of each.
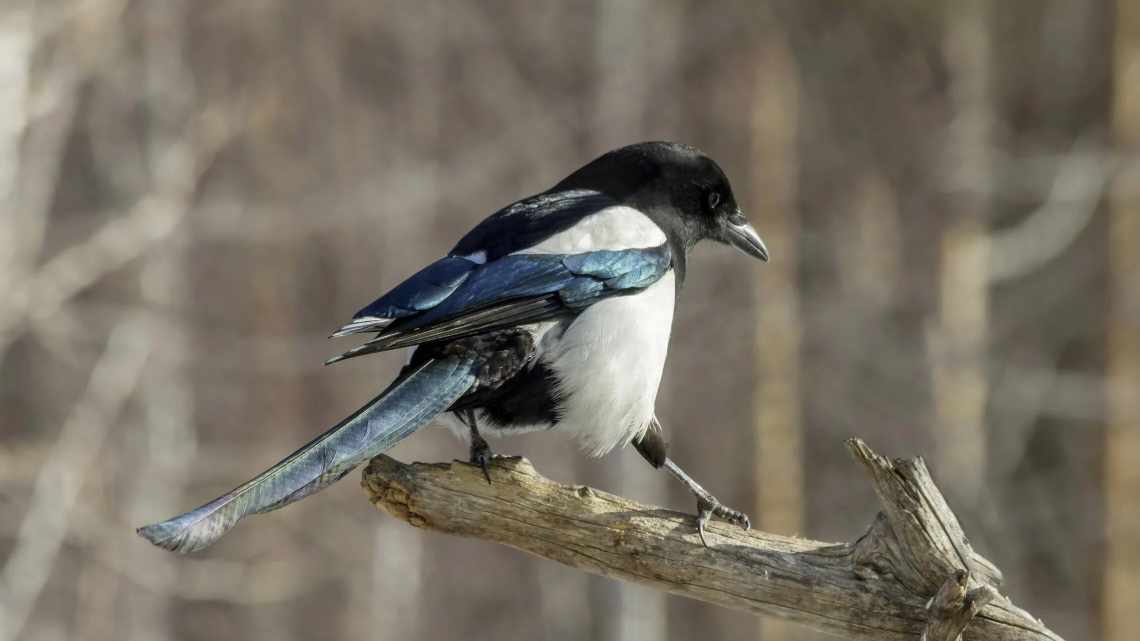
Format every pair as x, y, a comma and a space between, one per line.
616, 227
609, 361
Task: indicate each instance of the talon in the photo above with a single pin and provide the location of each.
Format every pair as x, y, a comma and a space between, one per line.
709, 507
704, 513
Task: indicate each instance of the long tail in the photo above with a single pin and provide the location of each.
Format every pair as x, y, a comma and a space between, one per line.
410, 403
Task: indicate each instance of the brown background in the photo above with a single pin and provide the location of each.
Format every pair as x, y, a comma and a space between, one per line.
193, 194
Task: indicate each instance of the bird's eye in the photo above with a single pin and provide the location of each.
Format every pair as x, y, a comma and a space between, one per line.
714, 199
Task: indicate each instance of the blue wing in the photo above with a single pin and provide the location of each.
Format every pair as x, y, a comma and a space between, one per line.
456, 296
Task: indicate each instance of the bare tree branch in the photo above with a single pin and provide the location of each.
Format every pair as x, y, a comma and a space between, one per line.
149, 222
37, 122
112, 382
1051, 229
913, 573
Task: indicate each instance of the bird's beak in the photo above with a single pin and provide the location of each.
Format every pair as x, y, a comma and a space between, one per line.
743, 236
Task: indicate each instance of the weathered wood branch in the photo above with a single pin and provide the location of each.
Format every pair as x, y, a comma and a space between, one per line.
912, 575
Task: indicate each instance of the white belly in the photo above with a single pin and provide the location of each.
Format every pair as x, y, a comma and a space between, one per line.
610, 358
609, 362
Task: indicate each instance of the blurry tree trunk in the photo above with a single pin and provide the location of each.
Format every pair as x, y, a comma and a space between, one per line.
36, 119
621, 56
1122, 446
44, 527
18, 39
958, 355
166, 391
869, 192
167, 398
1051, 96
777, 427
398, 560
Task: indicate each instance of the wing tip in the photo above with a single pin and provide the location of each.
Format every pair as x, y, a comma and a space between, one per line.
374, 345
362, 325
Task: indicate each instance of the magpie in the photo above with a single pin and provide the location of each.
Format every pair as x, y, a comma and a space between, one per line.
554, 313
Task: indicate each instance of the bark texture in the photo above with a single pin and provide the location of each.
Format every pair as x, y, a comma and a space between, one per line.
912, 575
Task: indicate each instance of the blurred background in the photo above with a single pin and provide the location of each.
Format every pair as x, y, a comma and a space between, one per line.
194, 193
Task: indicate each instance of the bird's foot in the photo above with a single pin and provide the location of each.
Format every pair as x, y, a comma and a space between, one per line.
481, 455
708, 506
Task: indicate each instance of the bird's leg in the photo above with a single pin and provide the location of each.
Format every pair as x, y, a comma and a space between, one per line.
481, 453
707, 504
653, 448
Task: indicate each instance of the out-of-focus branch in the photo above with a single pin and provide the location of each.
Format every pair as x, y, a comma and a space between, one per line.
36, 122
39, 118
150, 221
1079, 185
913, 573
110, 385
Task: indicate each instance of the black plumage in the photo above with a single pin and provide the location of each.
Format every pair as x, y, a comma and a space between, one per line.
553, 313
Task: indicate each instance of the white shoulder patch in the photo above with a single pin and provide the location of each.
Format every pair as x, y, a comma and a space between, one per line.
617, 227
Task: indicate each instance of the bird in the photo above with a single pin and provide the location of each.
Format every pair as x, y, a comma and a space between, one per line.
552, 314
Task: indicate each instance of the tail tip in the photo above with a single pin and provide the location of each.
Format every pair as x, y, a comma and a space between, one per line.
169, 536
159, 534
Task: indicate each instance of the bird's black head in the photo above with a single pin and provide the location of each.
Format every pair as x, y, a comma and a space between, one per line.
682, 189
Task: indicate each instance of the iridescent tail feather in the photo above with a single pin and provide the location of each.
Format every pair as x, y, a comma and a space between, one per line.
407, 405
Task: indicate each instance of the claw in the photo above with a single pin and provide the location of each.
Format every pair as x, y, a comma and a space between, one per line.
709, 507
704, 513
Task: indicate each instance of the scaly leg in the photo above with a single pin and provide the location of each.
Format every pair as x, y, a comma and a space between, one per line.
707, 504
653, 448
481, 454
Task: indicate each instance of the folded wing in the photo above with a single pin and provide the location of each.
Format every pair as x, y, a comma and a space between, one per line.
457, 296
